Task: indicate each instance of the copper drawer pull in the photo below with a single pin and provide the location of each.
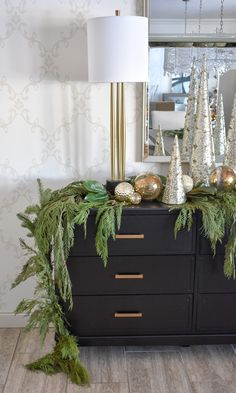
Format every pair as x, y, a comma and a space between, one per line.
137, 236
128, 315
124, 276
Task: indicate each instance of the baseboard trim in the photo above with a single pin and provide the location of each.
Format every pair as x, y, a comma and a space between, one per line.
10, 320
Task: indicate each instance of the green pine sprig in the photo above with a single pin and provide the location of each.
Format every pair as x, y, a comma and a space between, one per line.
218, 213
63, 358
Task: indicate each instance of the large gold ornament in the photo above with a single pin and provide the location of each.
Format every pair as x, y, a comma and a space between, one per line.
123, 191
188, 183
148, 185
223, 178
135, 198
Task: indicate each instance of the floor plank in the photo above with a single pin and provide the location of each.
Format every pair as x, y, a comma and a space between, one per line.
105, 364
21, 380
100, 388
209, 363
8, 341
223, 361
55, 384
213, 387
29, 342
233, 346
161, 372
17, 374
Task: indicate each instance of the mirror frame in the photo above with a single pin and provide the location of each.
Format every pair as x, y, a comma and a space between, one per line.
171, 40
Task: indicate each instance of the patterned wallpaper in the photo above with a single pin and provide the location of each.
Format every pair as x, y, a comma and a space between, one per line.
53, 124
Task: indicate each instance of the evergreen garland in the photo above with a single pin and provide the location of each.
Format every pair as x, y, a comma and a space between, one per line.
51, 224
218, 210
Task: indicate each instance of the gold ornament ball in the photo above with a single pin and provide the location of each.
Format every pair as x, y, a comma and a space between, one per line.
223, 178
148, 185
135, 198
188, 183
123, 191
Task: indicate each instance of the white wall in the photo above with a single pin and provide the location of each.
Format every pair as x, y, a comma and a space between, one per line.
53, 124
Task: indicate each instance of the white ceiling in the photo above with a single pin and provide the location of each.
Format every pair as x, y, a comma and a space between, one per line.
175, 9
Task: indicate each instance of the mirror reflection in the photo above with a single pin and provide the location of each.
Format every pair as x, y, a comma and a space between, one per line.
170, 70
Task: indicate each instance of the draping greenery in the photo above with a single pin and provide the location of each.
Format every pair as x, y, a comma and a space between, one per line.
51, 225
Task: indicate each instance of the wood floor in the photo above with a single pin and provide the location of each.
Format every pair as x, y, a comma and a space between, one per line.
196, 369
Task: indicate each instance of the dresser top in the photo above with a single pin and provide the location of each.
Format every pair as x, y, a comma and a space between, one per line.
144, 208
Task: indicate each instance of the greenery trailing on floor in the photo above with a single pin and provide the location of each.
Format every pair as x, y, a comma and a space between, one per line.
218, 211
63, 358
51, 224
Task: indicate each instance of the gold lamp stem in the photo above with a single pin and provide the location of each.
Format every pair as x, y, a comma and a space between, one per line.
118, 129
112, 132
123, 133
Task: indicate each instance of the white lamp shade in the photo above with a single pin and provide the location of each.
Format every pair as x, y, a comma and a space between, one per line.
118, 49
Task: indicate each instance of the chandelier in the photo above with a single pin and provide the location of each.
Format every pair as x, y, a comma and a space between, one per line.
219, 48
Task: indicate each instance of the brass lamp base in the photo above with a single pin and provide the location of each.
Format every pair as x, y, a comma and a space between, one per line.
117, 131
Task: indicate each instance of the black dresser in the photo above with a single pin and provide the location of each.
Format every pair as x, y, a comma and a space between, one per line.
155, 289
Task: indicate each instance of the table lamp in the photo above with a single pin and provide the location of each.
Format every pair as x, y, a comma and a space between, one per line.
117, 53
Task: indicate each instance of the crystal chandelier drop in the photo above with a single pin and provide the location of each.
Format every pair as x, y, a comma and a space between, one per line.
178, 60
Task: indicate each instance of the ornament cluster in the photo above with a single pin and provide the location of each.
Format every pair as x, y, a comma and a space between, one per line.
147, 187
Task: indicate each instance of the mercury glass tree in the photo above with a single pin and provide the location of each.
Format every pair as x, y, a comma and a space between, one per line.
202, 159
190, 117
219, 133
159, 149
230, 151
174, 193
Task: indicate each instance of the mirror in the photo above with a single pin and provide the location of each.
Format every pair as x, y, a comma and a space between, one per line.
170, 60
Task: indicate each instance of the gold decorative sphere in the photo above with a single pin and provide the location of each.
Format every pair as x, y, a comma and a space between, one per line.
188, 183
148, 185
223, 178
123, 191
135, 198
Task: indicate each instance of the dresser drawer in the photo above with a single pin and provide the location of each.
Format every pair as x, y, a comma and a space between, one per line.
130, 315
205, 247
139, 235
132, 274
211, 275
216, 312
